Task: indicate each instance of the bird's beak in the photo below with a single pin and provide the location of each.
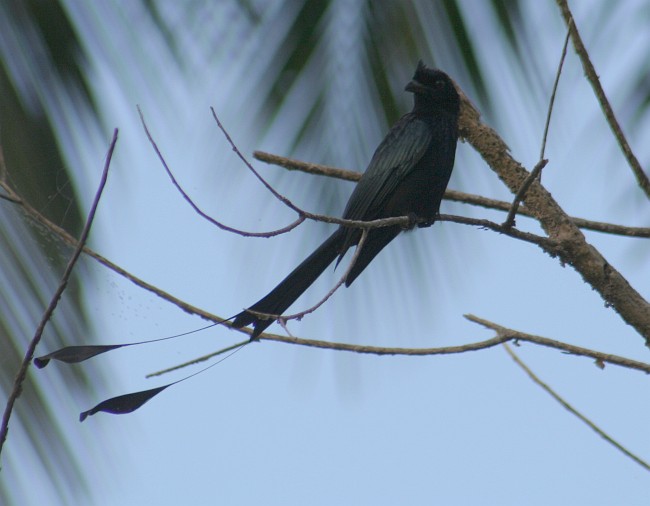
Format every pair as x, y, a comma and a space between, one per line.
416, 87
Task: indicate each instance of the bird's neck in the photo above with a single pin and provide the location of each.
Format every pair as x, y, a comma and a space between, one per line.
424, 106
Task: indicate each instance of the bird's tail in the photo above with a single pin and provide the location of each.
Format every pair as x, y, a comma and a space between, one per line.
293, 286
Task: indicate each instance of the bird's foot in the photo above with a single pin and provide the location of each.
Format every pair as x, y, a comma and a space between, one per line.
427, 222
413, 221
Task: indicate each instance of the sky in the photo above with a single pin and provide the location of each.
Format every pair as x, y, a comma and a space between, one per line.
281, 424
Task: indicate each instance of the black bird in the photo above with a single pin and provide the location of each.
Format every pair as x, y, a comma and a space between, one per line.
407, 176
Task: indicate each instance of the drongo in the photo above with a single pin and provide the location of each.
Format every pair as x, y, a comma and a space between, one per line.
407, 176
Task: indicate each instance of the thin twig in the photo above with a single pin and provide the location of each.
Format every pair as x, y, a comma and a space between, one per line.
545, 243
344, 277
599, 357
11, 196
302, 214
504, 335
283, 319
553, 93
536, 173
592, 77
3, 166
310, 168
250, 167
31, 213
29, 353
451, 350
403, 221
521, 193
198, 210
198, 360
574, 411
453, 195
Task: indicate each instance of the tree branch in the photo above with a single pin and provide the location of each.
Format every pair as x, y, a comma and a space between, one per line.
29, 353
599, 357
574, 411
34, 215
592, 77
452, 350
514, 207
452, 195
199, 211
543, 242
573, 249
536, 173
355, 257
402, 221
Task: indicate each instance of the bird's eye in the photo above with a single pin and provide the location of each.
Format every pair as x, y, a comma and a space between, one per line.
438, 85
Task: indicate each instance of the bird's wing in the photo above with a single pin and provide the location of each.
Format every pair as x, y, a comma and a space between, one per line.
402, 148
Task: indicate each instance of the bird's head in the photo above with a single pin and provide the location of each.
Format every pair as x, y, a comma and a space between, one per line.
433, 90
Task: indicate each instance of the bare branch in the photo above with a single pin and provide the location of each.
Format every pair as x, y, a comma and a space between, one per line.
453, 195
198, 210
500, 338
573, 248
283, 319
10, 196
34, 215
267, 185
592, 76
599, 357
3, 166
357, 251
574, 411
29, 353
536, 173
545, 243
403, 221
199, 359
553, 93
310, 168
